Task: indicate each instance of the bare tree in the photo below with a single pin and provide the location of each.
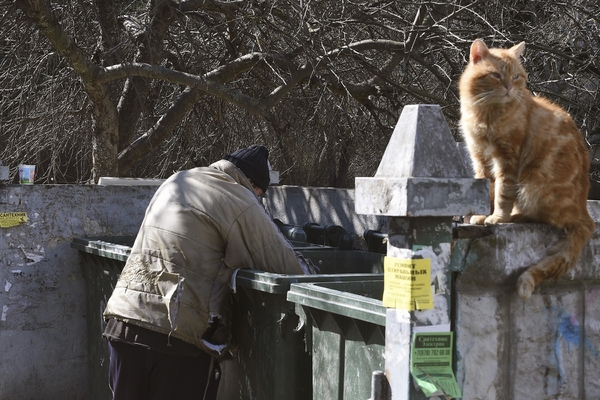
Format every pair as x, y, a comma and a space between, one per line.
146, 88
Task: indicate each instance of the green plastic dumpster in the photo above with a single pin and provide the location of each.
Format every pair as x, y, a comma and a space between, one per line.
345, 334
102, 260
271, 361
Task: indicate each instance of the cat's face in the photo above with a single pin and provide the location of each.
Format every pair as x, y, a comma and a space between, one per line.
494, 75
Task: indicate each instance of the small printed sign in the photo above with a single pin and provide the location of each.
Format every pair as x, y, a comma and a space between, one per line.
431, 364
10, 219
407, 283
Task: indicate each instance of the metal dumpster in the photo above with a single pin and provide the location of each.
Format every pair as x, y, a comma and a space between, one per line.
271, 362
102, 260
345, 335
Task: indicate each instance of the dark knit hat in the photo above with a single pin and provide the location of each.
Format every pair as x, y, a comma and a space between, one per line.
253, 163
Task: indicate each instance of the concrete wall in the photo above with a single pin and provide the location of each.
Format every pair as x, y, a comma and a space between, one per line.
545, 348
42, 293
325, 206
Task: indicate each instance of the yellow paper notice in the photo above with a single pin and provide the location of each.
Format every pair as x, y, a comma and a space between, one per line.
8, 220
407, 284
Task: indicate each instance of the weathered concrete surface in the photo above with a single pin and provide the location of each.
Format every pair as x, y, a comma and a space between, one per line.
422, 197
422, 172
42, 292
422, 146
481, 320
544, 348
590, 325
42, 295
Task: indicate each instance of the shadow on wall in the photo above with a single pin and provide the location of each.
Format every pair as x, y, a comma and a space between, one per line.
297, 205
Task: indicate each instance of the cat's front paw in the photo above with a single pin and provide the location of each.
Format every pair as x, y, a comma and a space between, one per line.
495, 219
476, 219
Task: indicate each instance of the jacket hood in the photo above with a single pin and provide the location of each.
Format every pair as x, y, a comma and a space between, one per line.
230, 169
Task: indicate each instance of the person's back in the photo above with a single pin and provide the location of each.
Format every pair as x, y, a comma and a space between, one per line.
200, 226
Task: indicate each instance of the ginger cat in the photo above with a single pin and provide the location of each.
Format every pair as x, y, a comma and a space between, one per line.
533, 154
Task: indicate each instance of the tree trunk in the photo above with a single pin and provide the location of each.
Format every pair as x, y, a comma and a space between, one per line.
106, 124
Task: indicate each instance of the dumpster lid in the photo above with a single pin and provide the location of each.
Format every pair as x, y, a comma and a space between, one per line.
335, 265
115, 247
354, 299
298, 246
280, 283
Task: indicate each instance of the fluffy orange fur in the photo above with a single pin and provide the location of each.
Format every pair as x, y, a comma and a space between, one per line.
532, 152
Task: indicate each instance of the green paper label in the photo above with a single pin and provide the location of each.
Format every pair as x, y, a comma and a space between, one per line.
431, 364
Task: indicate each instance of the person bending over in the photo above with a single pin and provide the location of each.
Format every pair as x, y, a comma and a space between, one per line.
168, 319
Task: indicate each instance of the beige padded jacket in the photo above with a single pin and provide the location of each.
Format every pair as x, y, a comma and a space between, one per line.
201, 225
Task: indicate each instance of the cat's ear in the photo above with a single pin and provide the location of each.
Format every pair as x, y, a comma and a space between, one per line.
518, 50
478, 51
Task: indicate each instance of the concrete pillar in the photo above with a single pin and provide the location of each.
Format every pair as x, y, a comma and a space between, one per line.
421, 183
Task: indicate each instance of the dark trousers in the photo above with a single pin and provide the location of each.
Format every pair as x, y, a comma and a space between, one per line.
136, 373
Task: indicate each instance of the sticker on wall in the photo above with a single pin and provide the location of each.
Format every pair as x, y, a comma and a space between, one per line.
10, 219
407, 283
431, 364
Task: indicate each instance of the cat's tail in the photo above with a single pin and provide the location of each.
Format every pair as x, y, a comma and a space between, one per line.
559, 259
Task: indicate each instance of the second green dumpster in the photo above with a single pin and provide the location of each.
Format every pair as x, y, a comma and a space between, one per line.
272, 361
346, 335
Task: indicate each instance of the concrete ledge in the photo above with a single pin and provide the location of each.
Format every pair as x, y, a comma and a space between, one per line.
422, 197
498, 259
109, 181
